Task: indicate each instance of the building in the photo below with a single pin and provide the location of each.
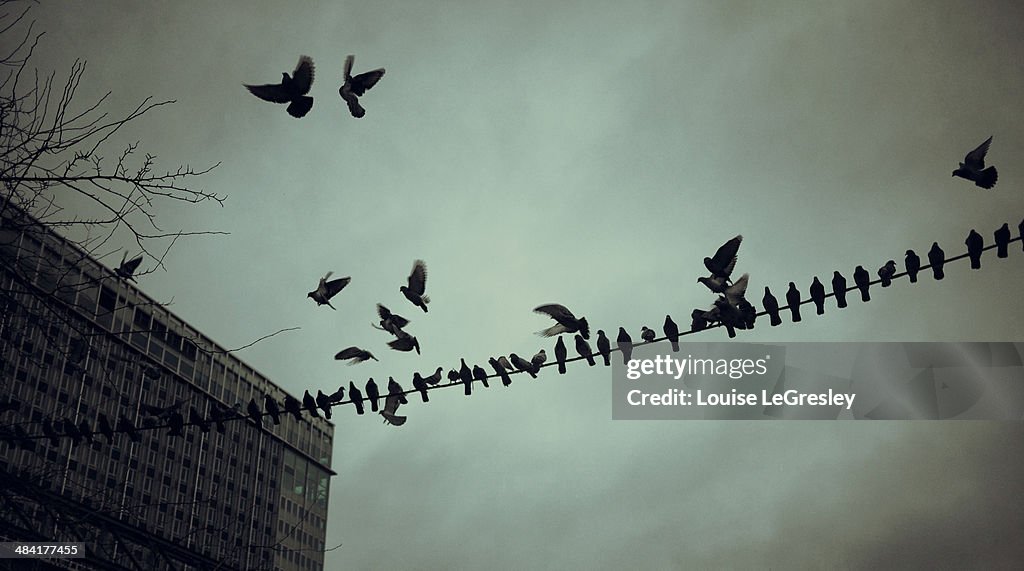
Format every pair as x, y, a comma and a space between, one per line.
76, 341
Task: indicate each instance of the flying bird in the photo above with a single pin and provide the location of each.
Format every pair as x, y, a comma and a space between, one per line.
566, 321
722, 264
647, 334
560, 354
292, 89
913, 263
937, 258
818, 295
405, 342
355, 87
327, 289
604, 347
583, 348
522, 364
625, 343
391, 322
862, 278
671, 331
372, 394
501, 371
975, 246
356, 396
735, 293
771, 305
127, 268
414, 292
793, 300
886, 272
354, 355
1002, 238
391, 404
973, 167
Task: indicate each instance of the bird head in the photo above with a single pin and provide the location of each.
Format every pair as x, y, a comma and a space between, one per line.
403, 289
310, 294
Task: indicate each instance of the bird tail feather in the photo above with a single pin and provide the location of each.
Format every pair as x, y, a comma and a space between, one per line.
987, 178
300, 106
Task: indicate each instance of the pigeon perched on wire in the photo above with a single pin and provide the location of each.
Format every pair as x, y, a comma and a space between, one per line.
913, 263
722, 264
435, 378
625, 343
338, 395
839, 288
817, 290
177, 422
356, 396
354, 355
480, 375
539, 359
973, 167
421, 386
292, 89
647, 334
1002, 239
566, 321
793, 300
103, 423
126, 426
583, 348
698, 320
522, 364
255, 414
293, 407
862, 278
561, 353
126, 270
671, 331
501, 371
355, 86
327, 289
604, 347
771, 305
309, 404
414, 292
372, 394
405, 343
391, 322
975, 246
886, 273
937, 258
324, 403
272, 409
466, 376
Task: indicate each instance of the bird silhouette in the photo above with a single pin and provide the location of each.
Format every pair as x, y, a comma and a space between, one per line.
1002, 239
292, 89
391, 322
886, 272
480, 375
85, 430
671, 331
50, 432
625, 344
771, 305
647, 334
414, 292
604, 347
354, 355
309, 404
324, 403
103, 423
194, 418
177, 422
327, 289
126, 270
395, 390
818, 295
973, 167
435, 378
293, 407
538, 359
421, 386
466, 376
453, 376
913, 264
272, 409
566, 321
560, 355
501, 371
391, 404
975, 246
338, 395
724, 260
504, 363
123, 425
522, 364
405, 343
937, 258
255, 413
355, 87
793, 300
356, 396
862, 279
372, 394
698, 320
218, 416
583, 348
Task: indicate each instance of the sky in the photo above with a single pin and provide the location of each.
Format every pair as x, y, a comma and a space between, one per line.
591, 154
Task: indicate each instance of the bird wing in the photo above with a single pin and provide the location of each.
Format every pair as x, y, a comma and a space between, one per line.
386, 315
976, 158
402, 343
348, 353
335, 286
725, 258
273, 92
418, 277
383, 312
734, 293
133, 264
557, 312
354, 108
348, 67
302, 77
364, 81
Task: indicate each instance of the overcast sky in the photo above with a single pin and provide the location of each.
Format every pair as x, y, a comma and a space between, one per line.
592, 153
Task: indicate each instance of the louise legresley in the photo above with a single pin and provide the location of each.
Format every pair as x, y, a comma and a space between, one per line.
698, 397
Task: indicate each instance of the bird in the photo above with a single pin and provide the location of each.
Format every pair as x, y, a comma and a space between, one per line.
771, 305
671, 331
973, 167
391, 404
793, 300
453, 376
937, 258
391, 322
354, 355
293, 407
566, 321
886, 272
194, 417
583, 348
292, 89
504, 363
272, 409
309, 404
735, 294
913, 263
713, 283
86, 430
1002, 238
466, 376
480, 375
217, 415
975, 246
500, 370
818, 295
372, 394
395, 390
522, 364
421, 386
50, 432
647, 334
103, 423
338, 395
356, 396
327, 289
625, 344
177, 422
324, 403
255, 413
405, 342
722, 264
698, 320
414, 292
123, 425
126, 270
863, 281
435, 378
604, 347
560, 354
538, 359
355, 86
